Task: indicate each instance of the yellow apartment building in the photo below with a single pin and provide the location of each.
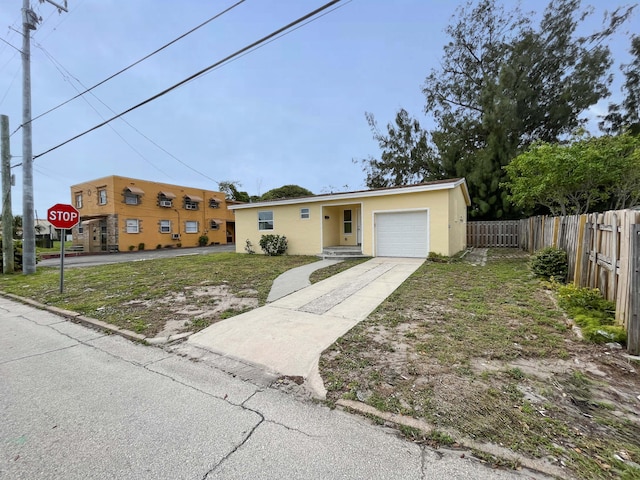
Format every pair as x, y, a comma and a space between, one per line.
121, 214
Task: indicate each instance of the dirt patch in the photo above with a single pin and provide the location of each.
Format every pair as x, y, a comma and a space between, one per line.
196, 308
485, 352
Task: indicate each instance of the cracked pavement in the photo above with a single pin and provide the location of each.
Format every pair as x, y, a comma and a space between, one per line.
76, 403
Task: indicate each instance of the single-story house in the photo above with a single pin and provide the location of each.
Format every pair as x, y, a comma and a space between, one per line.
407, 221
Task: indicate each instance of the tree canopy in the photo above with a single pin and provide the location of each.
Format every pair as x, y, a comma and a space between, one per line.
591, 173
502, 85
626, 115
231, 190
286, 191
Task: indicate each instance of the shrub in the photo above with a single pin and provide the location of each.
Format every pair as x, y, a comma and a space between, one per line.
273, 244
132, 248
203, 240
248, 247
141, 246
593, 314
550, 263
573, 298
158, 247
17, 256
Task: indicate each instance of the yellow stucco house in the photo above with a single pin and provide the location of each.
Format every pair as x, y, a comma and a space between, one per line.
408, 221
120, 214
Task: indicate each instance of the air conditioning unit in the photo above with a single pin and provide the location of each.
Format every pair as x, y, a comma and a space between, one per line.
165, 203
175, 236
191, 206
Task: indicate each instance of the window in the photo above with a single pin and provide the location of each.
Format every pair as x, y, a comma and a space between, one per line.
265, 220
133, 225
165, 226
80, 229
102, 196
78, 200
304, 213
190, 204
213, 225
347, 224
191, 227
165, 199
131, 198
213, 203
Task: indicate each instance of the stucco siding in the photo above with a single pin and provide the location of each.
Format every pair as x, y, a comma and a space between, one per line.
445, 206
457, 222
303, 235
111, 214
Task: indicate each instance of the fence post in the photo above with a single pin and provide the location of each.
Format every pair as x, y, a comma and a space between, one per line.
633, 330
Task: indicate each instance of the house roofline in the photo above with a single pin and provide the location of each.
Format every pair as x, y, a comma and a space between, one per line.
421, 187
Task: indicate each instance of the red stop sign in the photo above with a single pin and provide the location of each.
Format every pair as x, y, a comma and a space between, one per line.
63, 216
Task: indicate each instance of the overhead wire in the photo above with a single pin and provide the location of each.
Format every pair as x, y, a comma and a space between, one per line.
136, 62
59, 66
195, 75
66, 74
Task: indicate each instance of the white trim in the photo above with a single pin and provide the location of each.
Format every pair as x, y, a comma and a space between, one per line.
354, 195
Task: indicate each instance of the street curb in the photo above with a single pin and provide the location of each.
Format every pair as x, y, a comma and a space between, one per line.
97, 324
402, 420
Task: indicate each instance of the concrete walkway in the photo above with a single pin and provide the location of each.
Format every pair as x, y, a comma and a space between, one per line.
287, 336
296, 279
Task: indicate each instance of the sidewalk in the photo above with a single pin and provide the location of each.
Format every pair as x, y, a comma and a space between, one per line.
287, 336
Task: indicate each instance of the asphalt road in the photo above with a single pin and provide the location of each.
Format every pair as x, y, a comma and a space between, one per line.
72, 260
78, 404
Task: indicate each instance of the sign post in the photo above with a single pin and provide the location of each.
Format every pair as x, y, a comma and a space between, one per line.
63, 216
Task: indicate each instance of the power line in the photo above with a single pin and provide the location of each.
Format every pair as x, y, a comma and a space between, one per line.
65, 75
137, 62
59, 66
196, 75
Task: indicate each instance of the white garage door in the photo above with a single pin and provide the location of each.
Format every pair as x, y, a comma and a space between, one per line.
402, 234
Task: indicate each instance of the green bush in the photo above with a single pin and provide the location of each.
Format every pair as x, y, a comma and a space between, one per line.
141, 246
17, 256
592, 313
203, 240
550, 263
248, 247
273, 244
572, 298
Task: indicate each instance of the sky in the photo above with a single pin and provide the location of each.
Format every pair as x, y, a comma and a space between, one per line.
291, 112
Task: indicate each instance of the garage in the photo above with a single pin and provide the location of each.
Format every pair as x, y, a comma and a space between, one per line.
402, 234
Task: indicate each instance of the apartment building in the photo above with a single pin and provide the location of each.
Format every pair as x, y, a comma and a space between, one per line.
121, 214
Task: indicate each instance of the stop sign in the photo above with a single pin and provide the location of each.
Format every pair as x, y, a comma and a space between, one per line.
63, 216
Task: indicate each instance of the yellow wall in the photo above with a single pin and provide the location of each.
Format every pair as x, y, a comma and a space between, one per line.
447, 235
115, 212
457, 221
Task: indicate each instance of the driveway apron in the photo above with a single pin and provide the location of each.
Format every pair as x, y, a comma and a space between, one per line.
287, 336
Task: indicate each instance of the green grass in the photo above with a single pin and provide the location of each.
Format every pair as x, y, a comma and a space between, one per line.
450, 347
55, 249
138, 295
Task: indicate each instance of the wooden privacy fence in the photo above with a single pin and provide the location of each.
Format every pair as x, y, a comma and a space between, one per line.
493, 234
601, 248
603, 251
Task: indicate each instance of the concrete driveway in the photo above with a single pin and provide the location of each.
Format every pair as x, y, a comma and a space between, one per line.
287, 336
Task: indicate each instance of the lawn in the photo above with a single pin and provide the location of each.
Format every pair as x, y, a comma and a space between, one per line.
192, 292
483, 353
475, 352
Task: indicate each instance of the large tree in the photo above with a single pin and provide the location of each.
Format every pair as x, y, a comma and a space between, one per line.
626, 115
502, 84
286, 191
598, 173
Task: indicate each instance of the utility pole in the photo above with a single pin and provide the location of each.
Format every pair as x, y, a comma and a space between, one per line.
7, 218
29, 22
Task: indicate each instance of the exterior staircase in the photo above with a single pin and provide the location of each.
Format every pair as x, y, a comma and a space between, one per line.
342, 252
